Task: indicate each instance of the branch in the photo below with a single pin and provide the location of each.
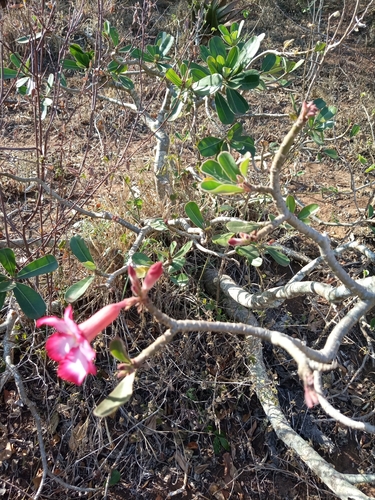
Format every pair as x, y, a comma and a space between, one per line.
265, 392
72, 205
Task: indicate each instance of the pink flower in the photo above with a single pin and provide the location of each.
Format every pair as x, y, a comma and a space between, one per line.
70, 344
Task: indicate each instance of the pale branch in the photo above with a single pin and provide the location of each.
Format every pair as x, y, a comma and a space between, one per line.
302, 354
271, 226
266, 393
343, 327
321, 239
336, 414
360, 478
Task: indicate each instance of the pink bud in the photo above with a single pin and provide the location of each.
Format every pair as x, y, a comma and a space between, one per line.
136, 285
308, 109
153, 274
244, 239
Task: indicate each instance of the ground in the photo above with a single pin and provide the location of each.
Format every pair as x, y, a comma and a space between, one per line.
193, 420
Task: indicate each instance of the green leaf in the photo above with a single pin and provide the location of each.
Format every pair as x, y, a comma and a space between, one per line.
232, 57
119, 396
2, 299
177, 105
194, 214
217, 47
208, 85
44, 265
180, 280
89, 265
370, 169
141, 259
244, 167
204, 52
69, 64
268, 62
115, 67
222, 239
8, 260
164, 42
172, 247
76, 291
317, 137
6, 285
225, 114
242, 227
235, 131
29, 301
126, 82
173, 77
80, 249
249, 50
213, 169
82, 58
158, 225
332, 153
176, 265
355, 129
114, 478
319, 103
16, 60
308, 211
114, 36
8, 73
229, 166
118, 350
183, 250
362, 159
142, 56
210, 146
219, 188
236, 102
246, 80
249, 251
278, 256
290, 203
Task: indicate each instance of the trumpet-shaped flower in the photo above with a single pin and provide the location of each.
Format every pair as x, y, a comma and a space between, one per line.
70, 344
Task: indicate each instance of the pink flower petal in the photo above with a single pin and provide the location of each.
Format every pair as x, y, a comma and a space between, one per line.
66, 325
59, 345
153, 274
100, 320
77, 364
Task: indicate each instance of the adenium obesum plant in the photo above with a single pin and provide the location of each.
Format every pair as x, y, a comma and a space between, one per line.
70, 344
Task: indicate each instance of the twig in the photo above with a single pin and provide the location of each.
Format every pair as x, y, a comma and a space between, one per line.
8, 346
